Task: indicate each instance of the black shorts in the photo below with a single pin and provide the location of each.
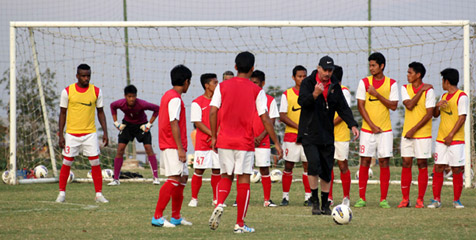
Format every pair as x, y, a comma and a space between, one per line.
132, 131
320, 160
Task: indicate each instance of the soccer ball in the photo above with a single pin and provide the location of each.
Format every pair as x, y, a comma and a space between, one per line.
71, 177
371, 174
41, 171
89, 175
341, 214
255, 177
107, 174
5, 178
276, 175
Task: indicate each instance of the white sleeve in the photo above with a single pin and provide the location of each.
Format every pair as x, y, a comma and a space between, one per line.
273, 110
360, 94
430, 98
99, 101
64, 99
196, 115
348, 97
260, 102
284, 104
216, 99
174, 109
394, 92
463, 105
405, 95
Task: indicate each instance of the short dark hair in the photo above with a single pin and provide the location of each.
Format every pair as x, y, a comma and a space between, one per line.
228, 73
130, 89
259, 75
206, 78
338, 72
379, 58
83, 66
452, 75
180, 74
244, 62
418, 68
298, 68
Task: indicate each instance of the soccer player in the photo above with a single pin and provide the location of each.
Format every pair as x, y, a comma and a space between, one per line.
341, 145
227, 75
134, 125
233, 102
419, 101
262, 143
82, 100
320, 98
173, 144
449, 146
205, 158
376, 96
289, 113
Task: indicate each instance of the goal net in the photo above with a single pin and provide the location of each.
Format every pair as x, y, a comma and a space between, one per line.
45, 56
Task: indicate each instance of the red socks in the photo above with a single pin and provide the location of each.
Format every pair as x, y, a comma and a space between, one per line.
63, 178
97, 177
214, 182
406, 182
457, 185
177, 200
305, 182
224, 187
266, 181
196, 185
422, 182
384, 182
287, 180
164, 197
242, 201
346, 180
332, 185
153, 165
437, 184
363, 177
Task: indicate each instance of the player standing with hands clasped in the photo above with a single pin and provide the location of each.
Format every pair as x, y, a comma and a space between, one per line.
79, 102
320, 98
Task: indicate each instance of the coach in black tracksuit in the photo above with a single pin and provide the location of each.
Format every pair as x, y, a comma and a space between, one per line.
320, 97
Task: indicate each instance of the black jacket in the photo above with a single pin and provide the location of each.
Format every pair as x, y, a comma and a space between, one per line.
316, 124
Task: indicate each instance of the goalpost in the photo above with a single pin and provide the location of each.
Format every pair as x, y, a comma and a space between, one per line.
52, 50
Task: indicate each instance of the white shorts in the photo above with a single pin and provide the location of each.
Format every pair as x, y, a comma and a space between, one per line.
417, 148
206, 160
88, 144
341, 152
235, 161
172, 165
293, 152
262, 157
379, 145
452, 155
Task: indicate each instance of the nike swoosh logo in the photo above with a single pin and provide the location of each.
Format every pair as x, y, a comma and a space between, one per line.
295, 109
370, 99
203, 108
86, 104
449, 113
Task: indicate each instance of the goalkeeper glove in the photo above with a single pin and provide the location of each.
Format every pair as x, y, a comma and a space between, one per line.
146, 127
119, 126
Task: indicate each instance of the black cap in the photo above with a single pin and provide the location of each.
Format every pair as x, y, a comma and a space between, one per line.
327, 62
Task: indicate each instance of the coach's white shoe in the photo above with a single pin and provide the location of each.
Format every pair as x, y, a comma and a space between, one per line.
114, 183
156, 181
346, 201
193, 203
101, 199
244, 229
61, 197
215, 218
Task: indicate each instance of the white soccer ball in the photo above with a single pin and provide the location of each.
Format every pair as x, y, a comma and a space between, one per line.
107, 174
41, 171
276, 175
5, 178
371, 174
71, 177
255, 177
341, 214
89, 175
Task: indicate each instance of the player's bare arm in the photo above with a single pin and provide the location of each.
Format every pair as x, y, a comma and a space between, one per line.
436, 110
202, 127
337, 120
177, 138
213, 126
420, 124
365, 116
102, 121
411, 103
286, 120
392, 105
62, 122
458, 125
263, 134
268, 125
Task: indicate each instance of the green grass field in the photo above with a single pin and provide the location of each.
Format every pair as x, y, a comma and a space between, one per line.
29, 212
